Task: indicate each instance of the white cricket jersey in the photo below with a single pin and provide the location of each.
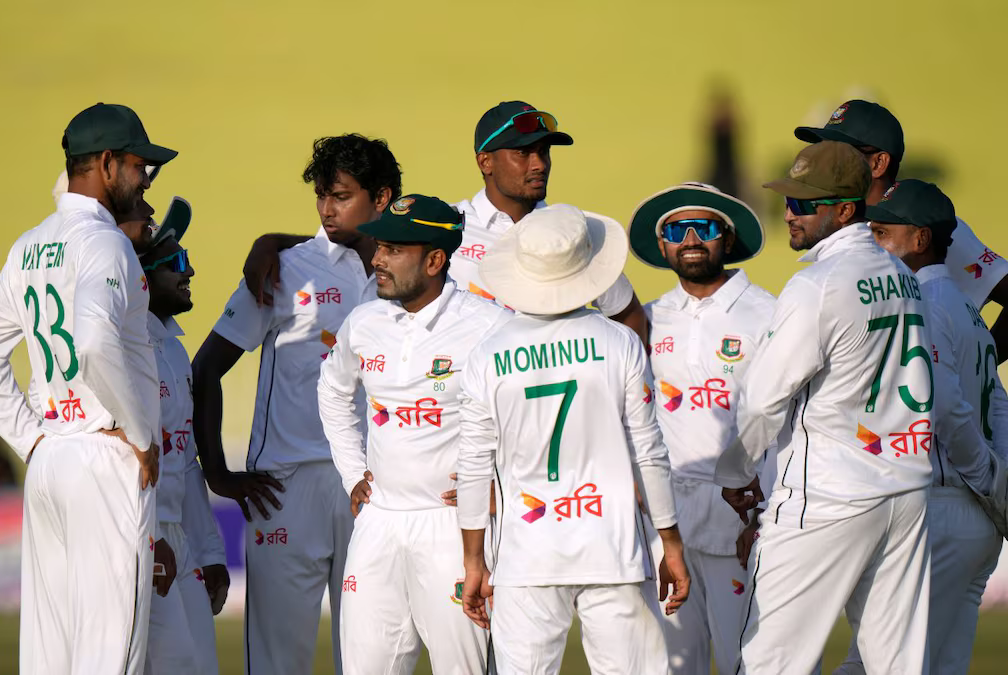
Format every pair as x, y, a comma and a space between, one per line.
410, 366
320, 283
700, 352
974, 268
484, 225
966, 412
557, 411
848, 341
73, 289
180, 472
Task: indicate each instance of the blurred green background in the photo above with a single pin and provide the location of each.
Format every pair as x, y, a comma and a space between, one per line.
242, 89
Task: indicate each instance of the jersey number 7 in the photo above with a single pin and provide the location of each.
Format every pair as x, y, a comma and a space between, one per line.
907, 354
567, 389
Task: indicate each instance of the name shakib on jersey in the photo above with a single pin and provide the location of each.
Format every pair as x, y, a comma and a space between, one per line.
876, 290
546, 355
37, 256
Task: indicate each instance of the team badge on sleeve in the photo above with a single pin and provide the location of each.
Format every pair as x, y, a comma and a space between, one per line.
731, 349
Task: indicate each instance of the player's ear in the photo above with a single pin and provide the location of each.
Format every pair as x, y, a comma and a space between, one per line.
383, 199
923, 239
879, 163
484, 160
436, 260
108, 165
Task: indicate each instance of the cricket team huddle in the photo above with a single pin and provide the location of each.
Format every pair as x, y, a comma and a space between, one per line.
469, 429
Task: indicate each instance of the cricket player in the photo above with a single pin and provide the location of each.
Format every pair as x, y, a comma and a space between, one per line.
182, 629
978, 271
848, 342
556, 409
295, 550
914, 220
704, 334
404, 564
512, 145
72, 288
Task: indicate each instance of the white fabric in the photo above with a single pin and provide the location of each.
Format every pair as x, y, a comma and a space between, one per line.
975, 269
290, 559
576, 383
712, 617
964, 552
73, 289
967, 421
402, 584
619, 633
320, 283
821, 352
555, 260
700, 353
484, 225
410, 367
873, 564
86, 560
171, 647
200, 619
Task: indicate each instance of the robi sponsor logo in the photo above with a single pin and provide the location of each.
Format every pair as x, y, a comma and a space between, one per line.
278, 536
584, 502
673, 395
350, 584
739, 587
537, 508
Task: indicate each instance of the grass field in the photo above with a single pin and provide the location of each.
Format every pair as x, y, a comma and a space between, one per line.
990, 652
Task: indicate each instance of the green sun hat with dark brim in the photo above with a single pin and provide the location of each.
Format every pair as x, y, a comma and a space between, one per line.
645, 223
418, 219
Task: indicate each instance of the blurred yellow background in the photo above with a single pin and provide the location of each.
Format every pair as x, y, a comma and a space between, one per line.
242, 89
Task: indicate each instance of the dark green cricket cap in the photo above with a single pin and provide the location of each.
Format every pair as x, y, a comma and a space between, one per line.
915, 202
493, 121
106, 126
418, 219
859, 123
826, 169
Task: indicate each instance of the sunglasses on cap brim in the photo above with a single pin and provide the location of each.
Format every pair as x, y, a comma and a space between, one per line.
706, 229
525, 122
807, 207
177, 262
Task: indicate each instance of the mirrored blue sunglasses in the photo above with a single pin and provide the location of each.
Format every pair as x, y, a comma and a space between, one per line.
705, 229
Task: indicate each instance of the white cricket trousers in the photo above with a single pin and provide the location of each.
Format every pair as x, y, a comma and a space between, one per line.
712, 615
965, 547
619, 633
875, 564
290, 559
86, 560
182, 637
402, 585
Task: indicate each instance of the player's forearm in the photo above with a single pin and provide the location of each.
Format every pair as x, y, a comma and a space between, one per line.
208, 410
198, 521
106, 371
472, 549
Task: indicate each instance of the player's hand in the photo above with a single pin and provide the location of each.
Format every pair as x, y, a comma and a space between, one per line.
673, 572
248, 486
164, 567
744, 543
262, 269
217, 581
743, 500
149, 464
477, 596
361, 494
450, 498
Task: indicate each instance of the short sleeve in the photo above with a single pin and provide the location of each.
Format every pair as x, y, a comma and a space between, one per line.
244, 323
974, 268
617, 298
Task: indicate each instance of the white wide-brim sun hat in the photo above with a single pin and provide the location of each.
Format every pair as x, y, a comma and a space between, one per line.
554, 260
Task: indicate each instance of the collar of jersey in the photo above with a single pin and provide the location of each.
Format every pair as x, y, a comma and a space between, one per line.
844, 239
723, 297
429, 315
332, 251
932, 272
488, 215
71, 201
159, 331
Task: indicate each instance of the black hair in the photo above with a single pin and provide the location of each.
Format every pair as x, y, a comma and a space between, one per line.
859, 211
80, 164
892, 170
369, 161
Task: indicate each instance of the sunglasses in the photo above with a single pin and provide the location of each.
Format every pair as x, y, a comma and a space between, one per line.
807, 207
525, 123
705, 229
152, 171
178, 262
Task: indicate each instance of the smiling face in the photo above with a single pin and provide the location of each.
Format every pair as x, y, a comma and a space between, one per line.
169, 289
693, 259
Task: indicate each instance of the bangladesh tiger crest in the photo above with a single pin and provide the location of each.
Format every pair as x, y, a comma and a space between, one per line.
440, 368
457, 596
731, 349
